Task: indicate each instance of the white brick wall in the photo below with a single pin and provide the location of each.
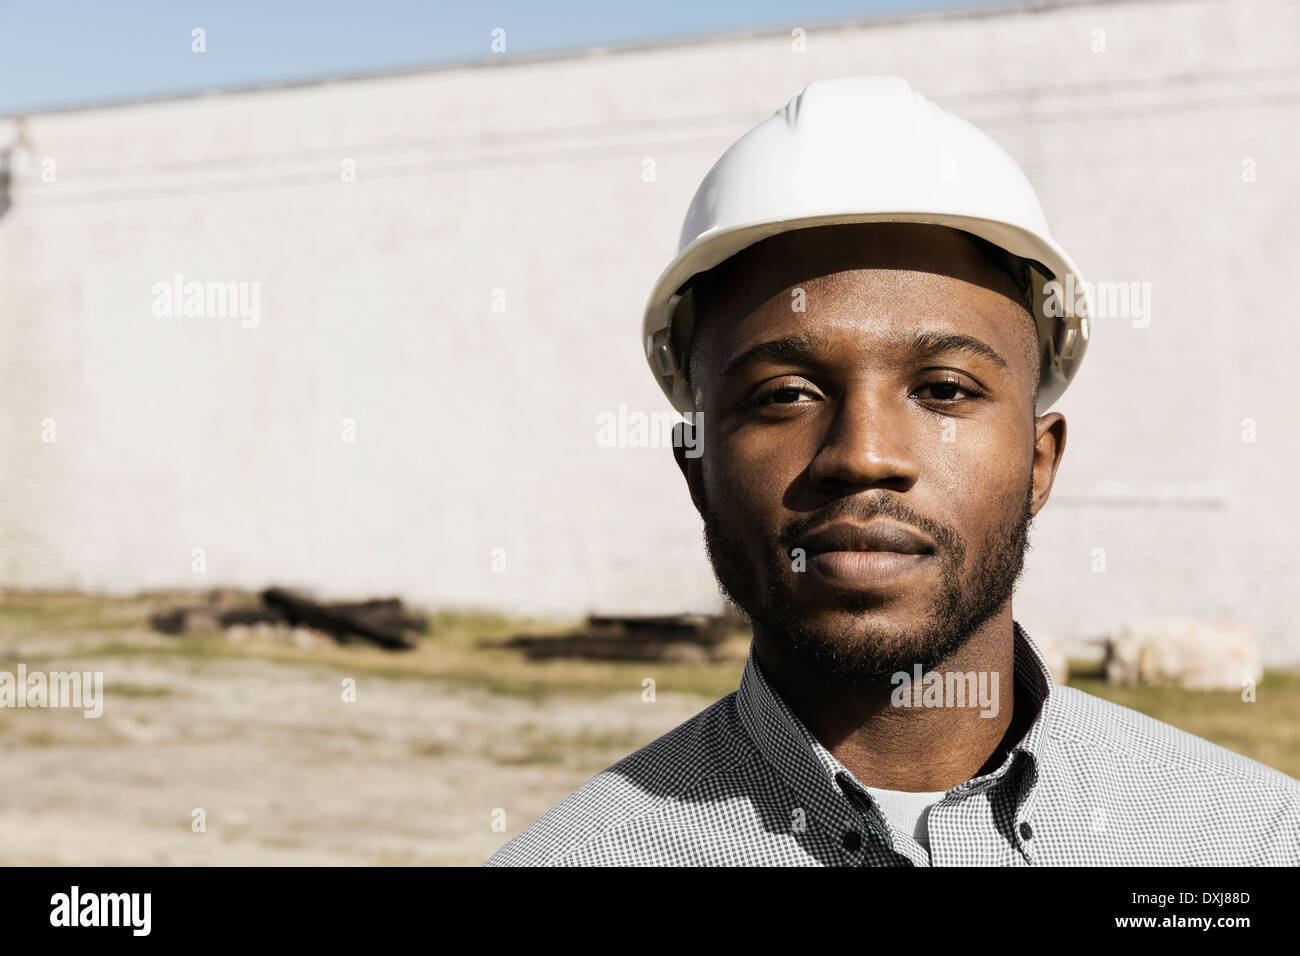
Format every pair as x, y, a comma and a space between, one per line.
476, 430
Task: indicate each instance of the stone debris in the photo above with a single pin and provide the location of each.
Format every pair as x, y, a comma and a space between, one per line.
1184, 652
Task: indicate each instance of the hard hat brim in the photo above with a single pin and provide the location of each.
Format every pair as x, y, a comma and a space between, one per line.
1062, 340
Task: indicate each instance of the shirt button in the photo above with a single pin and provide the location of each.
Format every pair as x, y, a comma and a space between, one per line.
1026, 830
852, 841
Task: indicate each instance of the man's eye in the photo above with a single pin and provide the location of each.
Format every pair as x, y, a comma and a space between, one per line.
945, 391
787, 394
782, 395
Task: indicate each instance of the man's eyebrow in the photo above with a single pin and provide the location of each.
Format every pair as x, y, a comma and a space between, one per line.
792, 348
805, 345
935, 343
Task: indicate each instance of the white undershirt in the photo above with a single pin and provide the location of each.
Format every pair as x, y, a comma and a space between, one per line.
908, 811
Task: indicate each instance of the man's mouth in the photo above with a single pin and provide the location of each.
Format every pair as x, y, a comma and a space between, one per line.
866, 556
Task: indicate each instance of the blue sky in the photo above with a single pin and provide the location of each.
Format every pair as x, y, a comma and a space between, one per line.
57, 53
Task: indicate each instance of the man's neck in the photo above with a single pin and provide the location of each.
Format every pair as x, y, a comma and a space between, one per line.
912, 748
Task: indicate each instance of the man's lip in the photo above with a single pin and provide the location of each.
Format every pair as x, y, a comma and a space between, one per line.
874, 536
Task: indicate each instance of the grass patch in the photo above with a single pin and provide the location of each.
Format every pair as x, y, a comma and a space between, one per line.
37, 614
38, 738
137, 690
450, 653
1267, 730
431, 748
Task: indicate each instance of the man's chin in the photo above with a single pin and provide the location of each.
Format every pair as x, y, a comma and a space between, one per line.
855, 644
843, 617
858, 633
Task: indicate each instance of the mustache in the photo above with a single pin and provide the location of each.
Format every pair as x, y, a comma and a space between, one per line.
862, 508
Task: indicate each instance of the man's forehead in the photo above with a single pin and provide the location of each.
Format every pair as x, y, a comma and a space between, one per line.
882, 284
869, 310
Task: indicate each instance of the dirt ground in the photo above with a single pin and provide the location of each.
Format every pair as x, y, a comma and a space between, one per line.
285, 771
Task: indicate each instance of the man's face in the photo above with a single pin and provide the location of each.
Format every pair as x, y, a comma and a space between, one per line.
867, 476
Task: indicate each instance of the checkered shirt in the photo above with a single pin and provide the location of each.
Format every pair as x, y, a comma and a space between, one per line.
744, 783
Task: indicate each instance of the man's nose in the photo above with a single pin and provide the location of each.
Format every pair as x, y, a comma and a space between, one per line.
869, 445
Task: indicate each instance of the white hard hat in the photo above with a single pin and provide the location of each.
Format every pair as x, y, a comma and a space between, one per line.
866, 149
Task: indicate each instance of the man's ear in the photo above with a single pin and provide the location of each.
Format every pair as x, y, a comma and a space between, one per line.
686, 451
1049, 446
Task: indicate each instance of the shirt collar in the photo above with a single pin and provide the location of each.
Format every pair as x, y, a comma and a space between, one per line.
813, 773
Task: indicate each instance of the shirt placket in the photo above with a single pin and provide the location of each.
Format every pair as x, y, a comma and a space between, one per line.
959, 834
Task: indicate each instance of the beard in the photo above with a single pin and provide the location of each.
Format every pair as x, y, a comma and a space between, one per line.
859, 651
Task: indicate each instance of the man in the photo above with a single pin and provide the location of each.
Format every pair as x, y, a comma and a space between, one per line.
866, 312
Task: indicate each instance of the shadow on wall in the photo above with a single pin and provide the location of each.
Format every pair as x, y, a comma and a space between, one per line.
5, 164
13, 142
